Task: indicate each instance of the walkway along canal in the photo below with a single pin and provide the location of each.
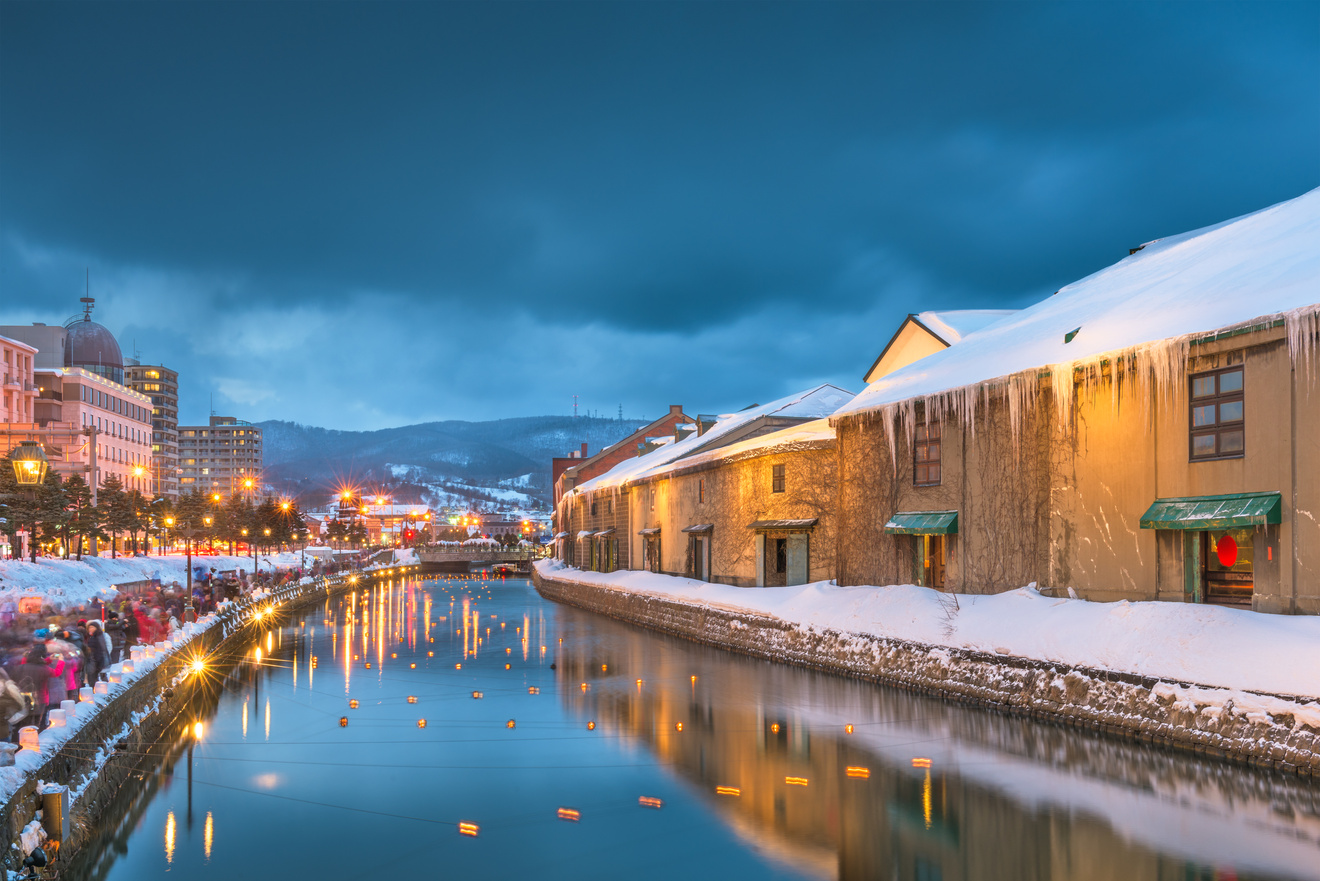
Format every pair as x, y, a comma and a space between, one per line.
367, 734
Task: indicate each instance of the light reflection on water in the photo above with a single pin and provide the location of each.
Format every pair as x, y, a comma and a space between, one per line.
761, 770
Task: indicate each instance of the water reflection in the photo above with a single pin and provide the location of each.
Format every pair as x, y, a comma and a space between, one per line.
677, 760
844, 779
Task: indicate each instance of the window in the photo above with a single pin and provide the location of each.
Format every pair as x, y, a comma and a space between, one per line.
593, 506
701, 490
1216, 419
926, 455
776, 478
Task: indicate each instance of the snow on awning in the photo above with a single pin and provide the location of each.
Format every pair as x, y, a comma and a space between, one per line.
604, 532
923, 523
653, 530
700, 527
784, 524
586, 533
561, 535
1214, 512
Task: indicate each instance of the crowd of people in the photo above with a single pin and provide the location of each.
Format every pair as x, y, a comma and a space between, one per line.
45, 658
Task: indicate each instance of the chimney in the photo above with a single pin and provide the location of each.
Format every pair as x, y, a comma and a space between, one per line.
584, 451
676, 410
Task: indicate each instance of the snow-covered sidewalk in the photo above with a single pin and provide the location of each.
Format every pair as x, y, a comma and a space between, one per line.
1204, 645
68, 583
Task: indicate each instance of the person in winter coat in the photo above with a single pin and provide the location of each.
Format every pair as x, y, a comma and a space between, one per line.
144, 634
31, 676
98, 650
114, 629
57, 688
13, 707
132, 629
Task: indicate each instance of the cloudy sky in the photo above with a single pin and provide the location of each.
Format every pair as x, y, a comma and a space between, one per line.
360, 215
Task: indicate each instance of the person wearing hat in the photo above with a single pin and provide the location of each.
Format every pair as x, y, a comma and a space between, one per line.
97, 649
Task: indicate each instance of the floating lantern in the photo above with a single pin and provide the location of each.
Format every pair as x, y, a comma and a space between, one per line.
29, 738
477, 695
728, 790
774, 729
861, 773
586, 686
508, 666
796, 781
639, 683
648, 801
353, 704
508, 651
412, 698
343, 721
509, 724
394, 654
572, 815
847, 729
591, 726
421, 723
412, 666
368, 665
469, 829
921, 763
458, 666
430, 654
604, 668
678, 726
532, 689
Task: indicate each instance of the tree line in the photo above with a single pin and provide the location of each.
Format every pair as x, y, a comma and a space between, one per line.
63, 515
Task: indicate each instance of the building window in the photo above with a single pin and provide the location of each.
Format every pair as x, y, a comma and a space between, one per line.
776, 478
593, 506
926, 455
1216, 423
701, 490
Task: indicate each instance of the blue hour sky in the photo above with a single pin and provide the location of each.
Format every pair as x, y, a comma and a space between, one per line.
369, 214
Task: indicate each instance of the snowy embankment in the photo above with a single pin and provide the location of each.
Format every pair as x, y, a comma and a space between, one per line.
65, 584
1202, 645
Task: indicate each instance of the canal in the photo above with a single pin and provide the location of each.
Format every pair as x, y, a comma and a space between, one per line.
368, 737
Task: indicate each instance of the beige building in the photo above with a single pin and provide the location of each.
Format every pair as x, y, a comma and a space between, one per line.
1149, 432
161, 385
714, 502
19, 382
221, 457
86, 419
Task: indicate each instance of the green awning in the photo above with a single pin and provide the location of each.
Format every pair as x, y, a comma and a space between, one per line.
1214, 512
923, 523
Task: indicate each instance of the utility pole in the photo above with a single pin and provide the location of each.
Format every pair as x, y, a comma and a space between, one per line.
575, 399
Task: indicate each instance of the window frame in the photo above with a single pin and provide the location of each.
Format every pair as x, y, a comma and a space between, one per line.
923, 445
1220, 427
778, 478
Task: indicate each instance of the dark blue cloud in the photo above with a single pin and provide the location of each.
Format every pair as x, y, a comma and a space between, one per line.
672, 175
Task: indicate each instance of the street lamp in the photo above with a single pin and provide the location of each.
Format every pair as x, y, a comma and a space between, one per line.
30, 464
169, 524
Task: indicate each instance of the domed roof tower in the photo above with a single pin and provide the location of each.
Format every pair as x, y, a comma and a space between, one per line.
92, 346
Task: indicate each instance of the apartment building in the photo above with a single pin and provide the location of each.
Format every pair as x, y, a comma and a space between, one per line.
223, 456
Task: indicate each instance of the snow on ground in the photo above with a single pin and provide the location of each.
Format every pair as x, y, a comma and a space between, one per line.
1262, 264
67, 583
1205, 645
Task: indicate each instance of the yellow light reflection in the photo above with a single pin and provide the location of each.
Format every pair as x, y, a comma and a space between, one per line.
245, 706
268, 718
208, 835
926, 798
169, 837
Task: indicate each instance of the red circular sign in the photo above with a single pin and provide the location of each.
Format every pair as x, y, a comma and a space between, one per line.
1227, 549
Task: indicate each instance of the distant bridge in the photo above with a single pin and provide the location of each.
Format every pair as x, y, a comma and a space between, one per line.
467, 559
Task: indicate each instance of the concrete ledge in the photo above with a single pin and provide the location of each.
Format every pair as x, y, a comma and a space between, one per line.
1147, 710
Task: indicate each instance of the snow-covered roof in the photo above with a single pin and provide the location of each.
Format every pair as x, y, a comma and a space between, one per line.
952, 325
795, 437
1260, 265
814, 403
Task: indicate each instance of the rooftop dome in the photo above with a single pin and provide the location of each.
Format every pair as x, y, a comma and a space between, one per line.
94, 348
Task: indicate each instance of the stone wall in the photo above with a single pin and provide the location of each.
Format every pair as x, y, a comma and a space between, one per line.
1173, 714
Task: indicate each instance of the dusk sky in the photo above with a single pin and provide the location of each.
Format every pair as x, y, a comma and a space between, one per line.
361, 215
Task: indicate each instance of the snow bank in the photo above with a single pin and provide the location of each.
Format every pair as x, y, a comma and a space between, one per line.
67, 583
1202, 645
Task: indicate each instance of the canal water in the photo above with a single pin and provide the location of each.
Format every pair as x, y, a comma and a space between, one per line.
357, 740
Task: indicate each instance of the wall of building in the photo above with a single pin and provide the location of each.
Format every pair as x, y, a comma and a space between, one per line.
1061, 505
161, 385
18, 381
220, 456
736, 493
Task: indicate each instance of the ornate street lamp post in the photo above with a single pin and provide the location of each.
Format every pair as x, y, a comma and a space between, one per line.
30, 466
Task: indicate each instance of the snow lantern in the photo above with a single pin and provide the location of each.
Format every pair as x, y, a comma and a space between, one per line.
85, 693
70, 708
56, 719
101, 688
29, 738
